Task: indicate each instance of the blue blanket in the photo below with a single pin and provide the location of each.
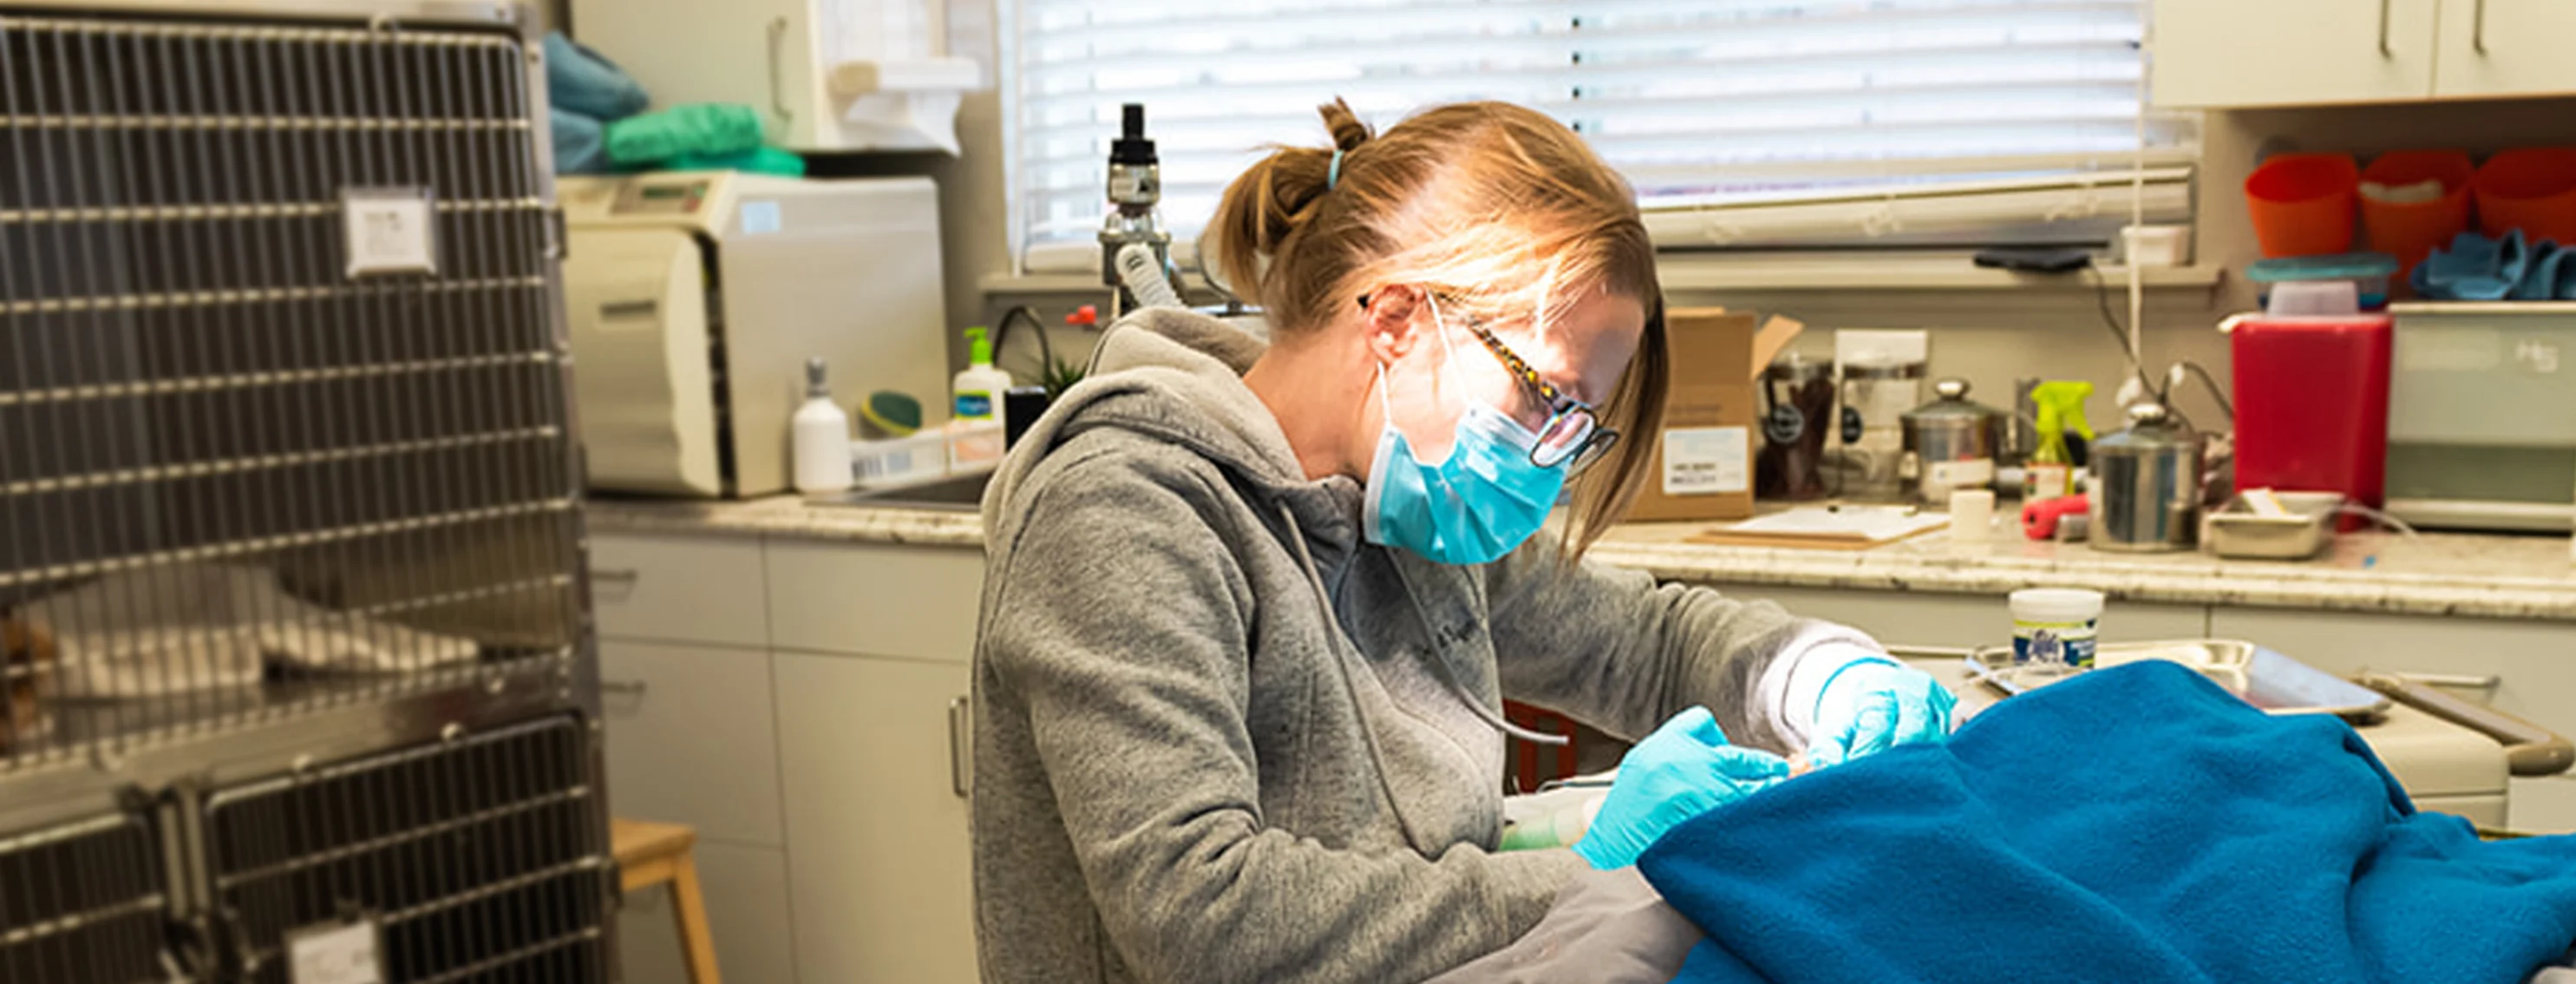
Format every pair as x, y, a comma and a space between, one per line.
2138, 825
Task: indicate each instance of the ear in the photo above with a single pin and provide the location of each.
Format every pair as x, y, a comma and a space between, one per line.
1388, 323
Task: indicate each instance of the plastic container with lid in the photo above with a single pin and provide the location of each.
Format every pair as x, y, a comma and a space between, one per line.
2056, 626
2368, 273
2311, 397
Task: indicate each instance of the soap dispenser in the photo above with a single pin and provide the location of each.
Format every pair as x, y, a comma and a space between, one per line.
822, 444
979, 387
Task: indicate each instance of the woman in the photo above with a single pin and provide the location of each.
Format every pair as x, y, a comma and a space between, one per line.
1251, 611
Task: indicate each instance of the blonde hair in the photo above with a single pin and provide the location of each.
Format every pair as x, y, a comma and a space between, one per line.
1493, 205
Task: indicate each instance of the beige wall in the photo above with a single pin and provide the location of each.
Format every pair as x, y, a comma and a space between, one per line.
1989, 337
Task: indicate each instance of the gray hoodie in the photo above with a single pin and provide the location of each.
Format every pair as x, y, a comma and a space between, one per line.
1219, 738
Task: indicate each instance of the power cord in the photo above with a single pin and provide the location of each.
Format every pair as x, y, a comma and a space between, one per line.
1046, 347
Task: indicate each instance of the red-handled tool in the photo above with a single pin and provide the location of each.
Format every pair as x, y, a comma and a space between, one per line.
2039, 519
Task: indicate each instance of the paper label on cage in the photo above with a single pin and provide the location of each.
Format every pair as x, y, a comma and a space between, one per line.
389, 230
334, 955
759, 218
1708, 460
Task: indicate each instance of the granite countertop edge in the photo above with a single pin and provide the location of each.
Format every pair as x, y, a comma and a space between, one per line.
2281, 586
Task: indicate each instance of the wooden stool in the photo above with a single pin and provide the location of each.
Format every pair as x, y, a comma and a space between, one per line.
653, 853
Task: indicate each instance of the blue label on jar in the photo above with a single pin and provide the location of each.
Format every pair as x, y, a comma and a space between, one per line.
2075, 642
974, 406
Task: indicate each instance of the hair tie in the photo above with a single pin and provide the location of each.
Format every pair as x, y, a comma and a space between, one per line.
1334, 176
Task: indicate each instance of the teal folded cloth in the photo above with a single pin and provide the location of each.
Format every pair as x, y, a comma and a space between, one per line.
586, 82
581, 145
758, 160
2473, 268
2540, 273
702, 129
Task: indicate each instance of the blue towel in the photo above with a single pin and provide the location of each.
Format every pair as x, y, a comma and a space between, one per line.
2136, 824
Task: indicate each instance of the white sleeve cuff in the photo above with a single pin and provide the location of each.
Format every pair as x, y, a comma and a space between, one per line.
1794, 681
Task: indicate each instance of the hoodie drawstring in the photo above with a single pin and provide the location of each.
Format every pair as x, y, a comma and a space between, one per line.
1449, 676
1344, 652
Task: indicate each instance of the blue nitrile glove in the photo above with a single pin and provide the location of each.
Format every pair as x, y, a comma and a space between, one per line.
1684, 769
1873, 704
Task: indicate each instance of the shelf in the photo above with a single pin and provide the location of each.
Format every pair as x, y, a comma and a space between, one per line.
1840, 272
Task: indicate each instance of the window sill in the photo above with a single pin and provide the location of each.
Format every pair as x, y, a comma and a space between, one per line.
1840, 273
1686, 272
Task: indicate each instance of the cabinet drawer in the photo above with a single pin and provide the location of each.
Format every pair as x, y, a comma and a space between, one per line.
692, 738
678, 589
745, 890
1965, 621
907, 602
883, 883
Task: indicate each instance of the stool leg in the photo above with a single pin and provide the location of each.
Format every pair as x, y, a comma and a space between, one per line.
696, 943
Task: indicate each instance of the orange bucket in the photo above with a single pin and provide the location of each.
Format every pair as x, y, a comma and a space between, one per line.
2302, 203
2533, 190
2410, 230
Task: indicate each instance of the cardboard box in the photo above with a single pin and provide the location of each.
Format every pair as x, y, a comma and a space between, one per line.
1703, 460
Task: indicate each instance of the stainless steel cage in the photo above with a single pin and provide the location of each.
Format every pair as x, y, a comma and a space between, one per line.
480, 859
82, 903
287, 478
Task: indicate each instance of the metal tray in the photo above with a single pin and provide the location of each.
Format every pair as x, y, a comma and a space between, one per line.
2298, 536
2268, 680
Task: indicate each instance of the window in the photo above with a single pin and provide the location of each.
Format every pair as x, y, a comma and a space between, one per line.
1741, 122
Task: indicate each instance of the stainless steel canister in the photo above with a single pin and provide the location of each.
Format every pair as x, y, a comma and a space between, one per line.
1950, 443
2146, 485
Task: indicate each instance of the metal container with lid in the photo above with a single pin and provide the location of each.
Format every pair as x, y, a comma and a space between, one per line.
2147, 485
1950, 443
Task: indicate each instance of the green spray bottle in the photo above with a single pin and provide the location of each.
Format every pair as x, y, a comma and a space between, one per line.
2051, 471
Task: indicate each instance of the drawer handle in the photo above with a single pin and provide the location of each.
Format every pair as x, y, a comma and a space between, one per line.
2384, 51
961, 733
625, 688
619, 575
2529, 749
2478, 30
2489, 683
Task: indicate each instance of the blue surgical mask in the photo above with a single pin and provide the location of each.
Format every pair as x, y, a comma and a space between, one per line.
1482, 502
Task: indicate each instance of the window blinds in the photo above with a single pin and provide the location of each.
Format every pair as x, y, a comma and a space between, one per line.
1711, 107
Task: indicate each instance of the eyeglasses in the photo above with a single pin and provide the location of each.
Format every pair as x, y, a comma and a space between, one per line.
1573, 435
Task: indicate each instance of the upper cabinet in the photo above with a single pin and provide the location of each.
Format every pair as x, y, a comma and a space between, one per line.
2292, 52
2226, 53
2506, 48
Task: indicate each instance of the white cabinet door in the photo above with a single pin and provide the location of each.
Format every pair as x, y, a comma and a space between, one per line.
2534, 662
905, 602
745, 889
1965, 621
2506, 48
876, 828
2288, 52
692, 739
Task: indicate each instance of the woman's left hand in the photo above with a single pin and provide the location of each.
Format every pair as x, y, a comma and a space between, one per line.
1874, 704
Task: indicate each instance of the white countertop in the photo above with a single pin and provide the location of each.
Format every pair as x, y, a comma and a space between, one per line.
2478, 576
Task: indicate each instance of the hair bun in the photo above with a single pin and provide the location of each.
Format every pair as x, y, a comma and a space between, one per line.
1345, 126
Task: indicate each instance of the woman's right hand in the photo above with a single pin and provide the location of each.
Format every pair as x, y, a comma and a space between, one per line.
1684, 769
